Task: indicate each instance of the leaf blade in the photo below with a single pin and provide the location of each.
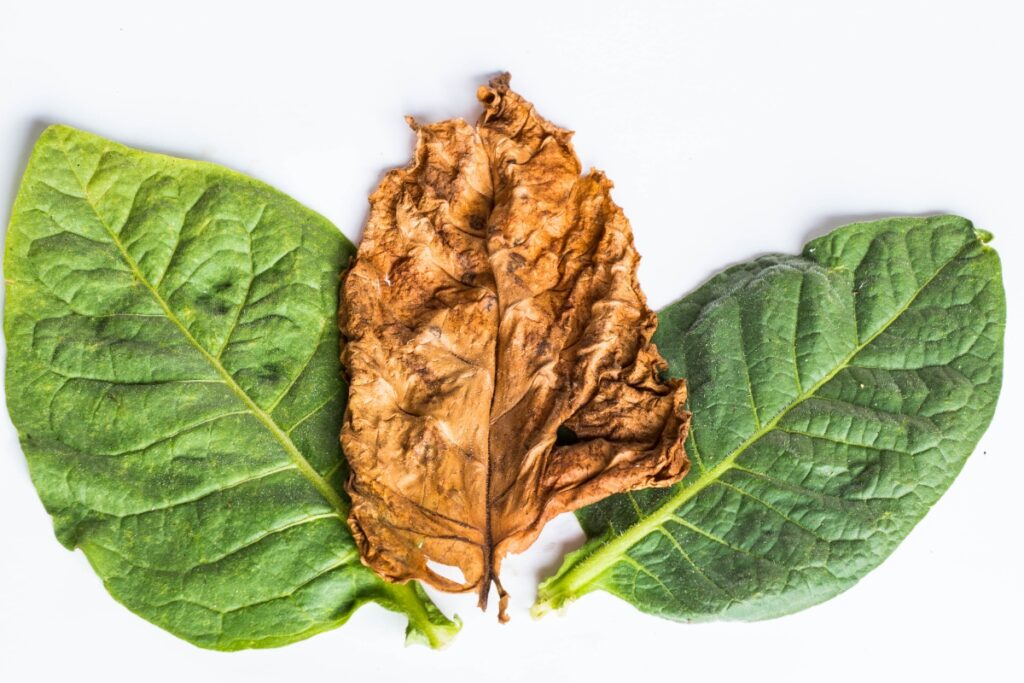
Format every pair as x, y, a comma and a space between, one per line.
779, 519
164, 319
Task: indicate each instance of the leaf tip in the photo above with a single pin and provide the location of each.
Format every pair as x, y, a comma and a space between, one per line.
59, 130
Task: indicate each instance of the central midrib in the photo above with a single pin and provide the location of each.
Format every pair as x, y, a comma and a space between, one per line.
298, 460
594, 564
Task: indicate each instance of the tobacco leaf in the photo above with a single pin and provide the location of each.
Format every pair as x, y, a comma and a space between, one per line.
172, 371
499, 351
835, 394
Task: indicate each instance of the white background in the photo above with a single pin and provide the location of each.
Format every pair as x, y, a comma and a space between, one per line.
730, 129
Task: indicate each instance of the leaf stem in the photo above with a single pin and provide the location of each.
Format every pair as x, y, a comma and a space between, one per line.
405, 597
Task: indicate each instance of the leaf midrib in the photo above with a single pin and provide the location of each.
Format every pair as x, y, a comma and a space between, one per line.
593, 565
298, 460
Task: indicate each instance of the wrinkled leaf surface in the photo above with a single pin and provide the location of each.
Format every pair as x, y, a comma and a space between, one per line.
499, 351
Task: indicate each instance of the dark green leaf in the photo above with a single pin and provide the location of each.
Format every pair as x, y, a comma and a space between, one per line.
172, 369
835, 397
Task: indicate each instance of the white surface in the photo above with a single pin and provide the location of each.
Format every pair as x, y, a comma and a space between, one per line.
730, 129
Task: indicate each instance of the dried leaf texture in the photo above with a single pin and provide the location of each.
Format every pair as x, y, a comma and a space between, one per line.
498, 346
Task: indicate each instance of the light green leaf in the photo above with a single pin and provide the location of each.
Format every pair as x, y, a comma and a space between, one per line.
172, 369
835, 397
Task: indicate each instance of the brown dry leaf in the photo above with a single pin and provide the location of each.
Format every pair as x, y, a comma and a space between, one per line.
498, 348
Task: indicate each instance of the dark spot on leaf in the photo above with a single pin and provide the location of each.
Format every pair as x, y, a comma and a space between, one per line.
515, 261
566, 437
